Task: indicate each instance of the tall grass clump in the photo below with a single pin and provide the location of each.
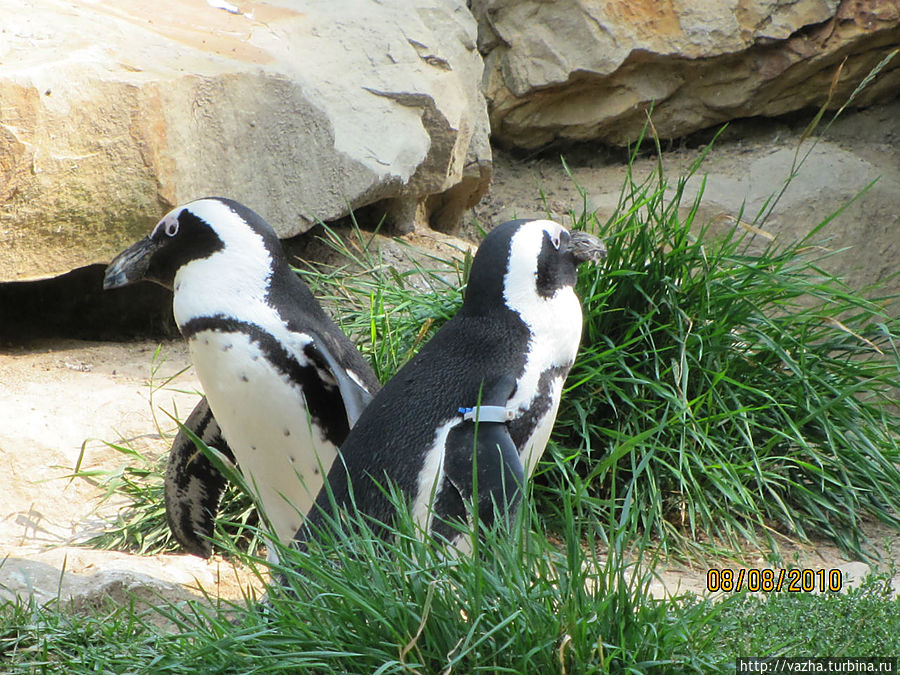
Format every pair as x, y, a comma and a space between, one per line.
738, 391
355, 602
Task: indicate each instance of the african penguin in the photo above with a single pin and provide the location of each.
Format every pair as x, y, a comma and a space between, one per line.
499, 362
282, 382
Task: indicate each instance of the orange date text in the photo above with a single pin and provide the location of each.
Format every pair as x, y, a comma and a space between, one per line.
795, 580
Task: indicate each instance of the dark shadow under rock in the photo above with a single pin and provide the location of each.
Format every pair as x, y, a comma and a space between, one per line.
74, 305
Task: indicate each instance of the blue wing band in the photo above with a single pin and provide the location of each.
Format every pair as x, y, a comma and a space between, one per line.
487, 413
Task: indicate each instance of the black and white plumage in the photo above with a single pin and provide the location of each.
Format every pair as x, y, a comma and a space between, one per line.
283, 383
509, 348
193, 485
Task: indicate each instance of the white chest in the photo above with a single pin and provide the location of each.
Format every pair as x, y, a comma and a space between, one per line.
533, 447
263, 416
555, 326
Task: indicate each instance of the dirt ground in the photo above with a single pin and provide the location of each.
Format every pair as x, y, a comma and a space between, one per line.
61, 400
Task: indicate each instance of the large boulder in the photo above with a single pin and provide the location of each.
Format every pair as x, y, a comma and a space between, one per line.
590, 69
849, 176
112, 112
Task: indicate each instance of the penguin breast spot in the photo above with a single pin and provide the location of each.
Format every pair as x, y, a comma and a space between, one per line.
287, 432
244, 378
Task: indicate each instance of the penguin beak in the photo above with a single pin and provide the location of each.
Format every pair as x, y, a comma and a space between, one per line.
586, 247
130, 265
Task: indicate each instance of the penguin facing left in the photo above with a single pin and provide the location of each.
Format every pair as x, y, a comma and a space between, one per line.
282, 383
482, 393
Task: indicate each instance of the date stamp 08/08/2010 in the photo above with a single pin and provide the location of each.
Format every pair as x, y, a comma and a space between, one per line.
766, 580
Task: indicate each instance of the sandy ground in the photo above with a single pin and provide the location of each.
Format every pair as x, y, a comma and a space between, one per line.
62, 400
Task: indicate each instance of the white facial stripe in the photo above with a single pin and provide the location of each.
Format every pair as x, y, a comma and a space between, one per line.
232, 281
237, 276
554, 322
520, 281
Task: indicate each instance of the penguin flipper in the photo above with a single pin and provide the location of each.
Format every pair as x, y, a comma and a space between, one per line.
484, 443
355, 396
500, 475
193, 486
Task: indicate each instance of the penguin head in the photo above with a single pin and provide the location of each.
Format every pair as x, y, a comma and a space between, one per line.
524, 263
194, 233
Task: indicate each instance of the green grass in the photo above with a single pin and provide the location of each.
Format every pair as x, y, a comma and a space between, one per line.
518, 604
862, 622
140, 526
53, 639
737, 391
741, 392
355, 604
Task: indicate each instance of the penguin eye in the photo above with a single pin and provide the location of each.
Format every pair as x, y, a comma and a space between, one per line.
554, 239
171, 228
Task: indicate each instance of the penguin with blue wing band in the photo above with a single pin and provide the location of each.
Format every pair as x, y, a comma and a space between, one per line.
283, 385
503, 358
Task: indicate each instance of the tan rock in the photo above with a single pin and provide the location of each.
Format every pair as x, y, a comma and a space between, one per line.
590, 69
111, 112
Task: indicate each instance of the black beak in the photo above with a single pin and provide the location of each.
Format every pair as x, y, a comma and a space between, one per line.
130, 265
586, 247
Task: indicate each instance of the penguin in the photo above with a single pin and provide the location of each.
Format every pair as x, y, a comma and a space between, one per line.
283, 385
467, 419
